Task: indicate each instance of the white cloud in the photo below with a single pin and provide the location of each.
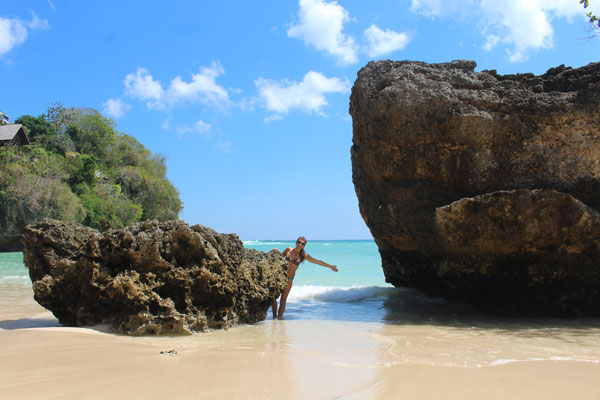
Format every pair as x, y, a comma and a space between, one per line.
202, 88
491, 42
200, 127
321, 25
307, 96
384, 42
524, 26
14, 32
141, 85
442, 8
37, 23
115, 108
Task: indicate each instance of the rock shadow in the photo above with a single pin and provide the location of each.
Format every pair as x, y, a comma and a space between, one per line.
405, 306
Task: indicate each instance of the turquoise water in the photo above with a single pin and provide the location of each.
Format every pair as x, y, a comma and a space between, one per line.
12, 271
358, 262
356, 292
413, 326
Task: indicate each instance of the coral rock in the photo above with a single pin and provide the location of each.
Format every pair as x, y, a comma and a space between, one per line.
151, 278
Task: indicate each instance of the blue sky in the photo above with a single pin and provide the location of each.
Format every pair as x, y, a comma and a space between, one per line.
249, 100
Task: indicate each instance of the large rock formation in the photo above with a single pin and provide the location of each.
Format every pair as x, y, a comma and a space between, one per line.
483, 187
150, 278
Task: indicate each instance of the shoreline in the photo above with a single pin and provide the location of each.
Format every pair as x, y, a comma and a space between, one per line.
291, 359
344, 344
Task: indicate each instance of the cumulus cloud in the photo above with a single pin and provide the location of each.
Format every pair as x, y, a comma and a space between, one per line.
141, 85
524, 26
321, 25
307, 96
202, 88
14, 31
384, 42
115, 108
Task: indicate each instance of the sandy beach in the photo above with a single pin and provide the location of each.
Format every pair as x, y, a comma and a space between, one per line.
370, 343
293, 359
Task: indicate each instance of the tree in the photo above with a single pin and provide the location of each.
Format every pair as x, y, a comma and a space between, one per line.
32, 186
80, 168
43, 132
37, 127
594, 20
92, 134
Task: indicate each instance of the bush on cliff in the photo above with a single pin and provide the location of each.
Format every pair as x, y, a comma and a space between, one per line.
79, 168
33, 186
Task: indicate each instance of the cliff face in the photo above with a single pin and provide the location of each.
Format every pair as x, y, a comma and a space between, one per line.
482, 187
150, 278
12, 225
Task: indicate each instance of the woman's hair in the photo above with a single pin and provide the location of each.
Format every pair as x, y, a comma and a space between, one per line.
302, 253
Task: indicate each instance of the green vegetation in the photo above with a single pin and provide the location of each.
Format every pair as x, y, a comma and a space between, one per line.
594, 20
80, 169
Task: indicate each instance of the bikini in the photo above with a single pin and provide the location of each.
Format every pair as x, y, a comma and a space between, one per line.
296, 261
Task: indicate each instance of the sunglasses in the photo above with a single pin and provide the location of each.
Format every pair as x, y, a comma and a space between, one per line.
300, 242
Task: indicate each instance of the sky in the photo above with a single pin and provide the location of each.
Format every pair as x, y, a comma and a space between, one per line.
248, 101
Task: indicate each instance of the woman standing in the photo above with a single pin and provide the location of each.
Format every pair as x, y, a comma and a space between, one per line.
295, 256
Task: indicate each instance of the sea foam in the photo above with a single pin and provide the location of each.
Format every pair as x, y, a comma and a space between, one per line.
337, 294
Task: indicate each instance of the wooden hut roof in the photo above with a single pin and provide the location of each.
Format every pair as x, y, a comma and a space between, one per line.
8, 132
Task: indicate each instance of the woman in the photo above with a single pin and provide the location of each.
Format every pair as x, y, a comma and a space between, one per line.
295, 256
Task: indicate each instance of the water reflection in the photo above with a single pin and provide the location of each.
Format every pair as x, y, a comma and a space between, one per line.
25, 323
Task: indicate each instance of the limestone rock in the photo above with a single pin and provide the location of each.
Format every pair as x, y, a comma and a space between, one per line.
151, 278
482, 187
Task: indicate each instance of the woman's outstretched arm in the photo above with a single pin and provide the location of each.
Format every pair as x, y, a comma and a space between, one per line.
323, 263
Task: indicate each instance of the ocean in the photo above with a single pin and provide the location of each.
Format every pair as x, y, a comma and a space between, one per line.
411, 327
355, 293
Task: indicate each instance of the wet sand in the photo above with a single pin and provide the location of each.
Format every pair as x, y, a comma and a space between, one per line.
292, 359
413, 357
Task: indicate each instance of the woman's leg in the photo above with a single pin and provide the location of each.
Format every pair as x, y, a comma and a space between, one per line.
274, 308
283, 300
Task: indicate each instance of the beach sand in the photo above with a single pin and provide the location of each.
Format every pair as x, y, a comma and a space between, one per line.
289, 359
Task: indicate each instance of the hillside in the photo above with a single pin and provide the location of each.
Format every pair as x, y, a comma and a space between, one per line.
79, 168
